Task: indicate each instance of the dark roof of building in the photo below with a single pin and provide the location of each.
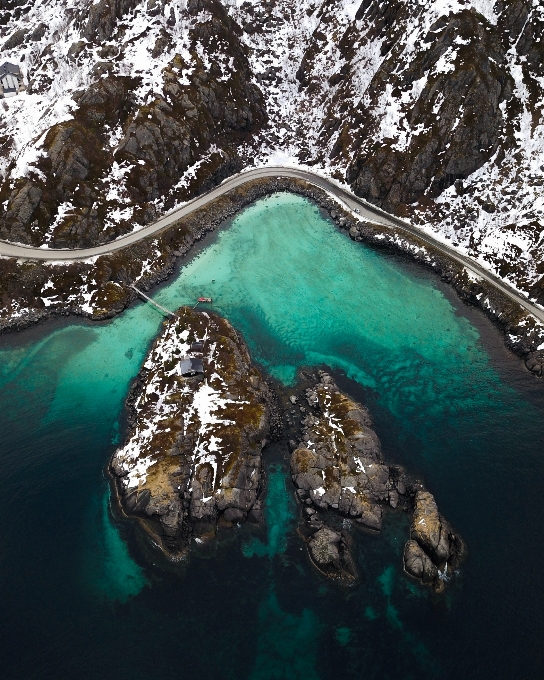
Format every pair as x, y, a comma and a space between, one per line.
191, 366
197, 347
6, 67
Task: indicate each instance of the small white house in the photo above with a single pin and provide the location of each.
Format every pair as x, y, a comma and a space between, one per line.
11, 80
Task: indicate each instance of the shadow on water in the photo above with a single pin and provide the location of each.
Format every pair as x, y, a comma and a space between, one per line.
278, 513
30, 381
287, 647
109, 572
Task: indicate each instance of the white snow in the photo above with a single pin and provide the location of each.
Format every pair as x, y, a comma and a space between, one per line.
204, 410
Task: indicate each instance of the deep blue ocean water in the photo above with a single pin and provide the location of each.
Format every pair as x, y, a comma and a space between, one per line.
82, 595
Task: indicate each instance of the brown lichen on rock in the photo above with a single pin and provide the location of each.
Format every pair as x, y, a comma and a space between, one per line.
193, 455
343, 469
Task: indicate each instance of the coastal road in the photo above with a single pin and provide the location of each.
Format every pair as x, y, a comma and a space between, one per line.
354, 203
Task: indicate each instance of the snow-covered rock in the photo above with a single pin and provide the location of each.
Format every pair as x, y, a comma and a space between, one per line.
130, 107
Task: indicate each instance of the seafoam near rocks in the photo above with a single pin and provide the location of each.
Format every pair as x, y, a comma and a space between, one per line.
338, 466
194, 452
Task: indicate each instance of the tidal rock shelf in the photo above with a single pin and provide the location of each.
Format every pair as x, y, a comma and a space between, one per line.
338, 469
199, 415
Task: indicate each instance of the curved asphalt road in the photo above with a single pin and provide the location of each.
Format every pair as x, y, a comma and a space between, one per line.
351, 201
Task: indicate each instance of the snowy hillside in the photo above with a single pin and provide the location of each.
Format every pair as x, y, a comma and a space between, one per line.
432, 110
130, 106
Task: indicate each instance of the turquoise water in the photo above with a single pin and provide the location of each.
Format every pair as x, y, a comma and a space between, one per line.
327, 300
278, 513
91, 600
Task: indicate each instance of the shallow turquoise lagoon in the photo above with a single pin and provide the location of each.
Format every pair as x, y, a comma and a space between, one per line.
84, 597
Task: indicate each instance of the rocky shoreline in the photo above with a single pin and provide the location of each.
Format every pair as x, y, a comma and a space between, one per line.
200, 415
108, 279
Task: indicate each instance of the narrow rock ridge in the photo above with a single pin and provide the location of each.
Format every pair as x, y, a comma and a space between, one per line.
193, 455
338, 469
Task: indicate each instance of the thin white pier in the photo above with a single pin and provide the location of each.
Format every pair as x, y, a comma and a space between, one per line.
163, 309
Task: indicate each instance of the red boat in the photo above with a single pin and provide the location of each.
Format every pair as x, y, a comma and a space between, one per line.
203, 299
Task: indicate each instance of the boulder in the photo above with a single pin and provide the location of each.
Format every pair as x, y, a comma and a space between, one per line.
15, 39
323, 547
330, 553
429, 529
434, 550
535, 363
418, 564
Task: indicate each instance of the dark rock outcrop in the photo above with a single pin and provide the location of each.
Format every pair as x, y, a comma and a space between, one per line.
535, 363
202, 112
338, 469
17, 38
339, 463
329, 551
103, 16
418, 564
446, 147
434, 550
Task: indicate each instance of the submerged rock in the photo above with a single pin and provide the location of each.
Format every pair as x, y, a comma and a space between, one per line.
193, 456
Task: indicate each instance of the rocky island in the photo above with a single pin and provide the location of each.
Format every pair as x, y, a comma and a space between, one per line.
198, 417
338, 469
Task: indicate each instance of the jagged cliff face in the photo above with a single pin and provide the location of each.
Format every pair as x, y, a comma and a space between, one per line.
430, 109
130, 107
